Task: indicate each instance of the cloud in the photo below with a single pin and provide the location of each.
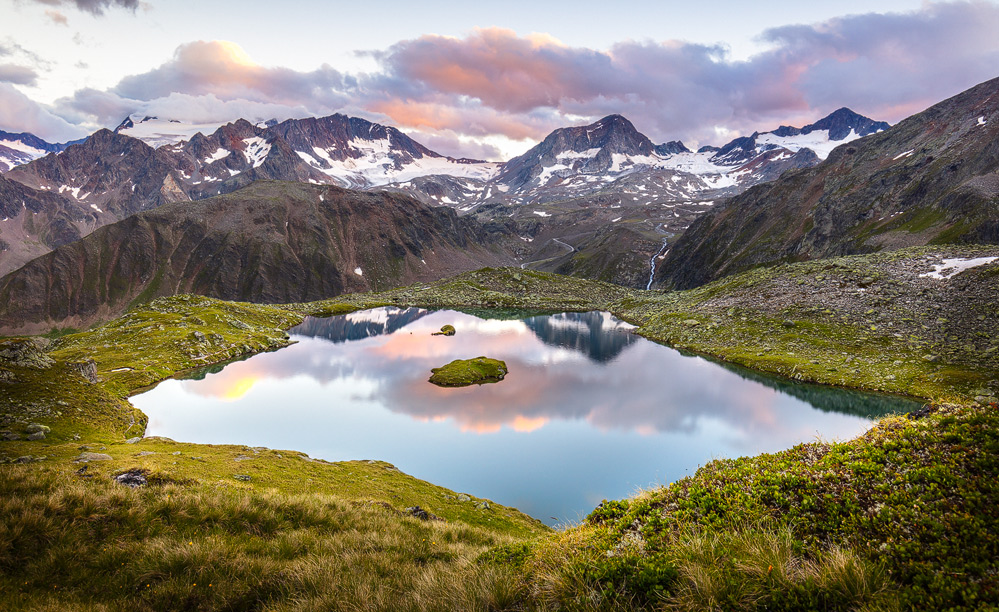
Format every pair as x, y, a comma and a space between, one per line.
94, 7
887, 66
497, 87
223, 69
57, 17
18, 113
108, 109
19, 75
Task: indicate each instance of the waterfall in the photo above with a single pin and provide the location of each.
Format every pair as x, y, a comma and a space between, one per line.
652, 263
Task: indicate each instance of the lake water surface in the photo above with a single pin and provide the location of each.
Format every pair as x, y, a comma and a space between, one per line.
588, 411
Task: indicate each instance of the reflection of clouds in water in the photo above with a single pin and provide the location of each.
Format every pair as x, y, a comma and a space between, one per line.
647, 389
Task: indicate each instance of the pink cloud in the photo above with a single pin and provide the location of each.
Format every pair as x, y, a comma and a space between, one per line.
494, 82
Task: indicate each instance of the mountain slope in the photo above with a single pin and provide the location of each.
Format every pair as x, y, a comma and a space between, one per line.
931, 179
18, 149
270, 242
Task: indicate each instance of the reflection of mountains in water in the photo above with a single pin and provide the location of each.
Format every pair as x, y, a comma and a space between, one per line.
832, 399
358, 325
597, 335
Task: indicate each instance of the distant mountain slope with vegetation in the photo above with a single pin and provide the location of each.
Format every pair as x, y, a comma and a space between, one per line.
269, 242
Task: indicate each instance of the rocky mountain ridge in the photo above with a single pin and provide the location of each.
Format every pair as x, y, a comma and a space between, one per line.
608, 164
272, 242
21, 148
931, 179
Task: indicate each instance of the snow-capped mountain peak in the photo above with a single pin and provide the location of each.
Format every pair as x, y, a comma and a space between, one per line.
21, 148
158, 132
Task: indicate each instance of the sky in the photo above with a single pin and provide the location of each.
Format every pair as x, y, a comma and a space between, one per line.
487, 80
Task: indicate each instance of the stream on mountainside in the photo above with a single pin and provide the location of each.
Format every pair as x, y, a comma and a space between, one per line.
588, 411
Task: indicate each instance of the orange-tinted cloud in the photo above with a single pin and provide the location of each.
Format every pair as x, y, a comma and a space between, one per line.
222, 69
494, 82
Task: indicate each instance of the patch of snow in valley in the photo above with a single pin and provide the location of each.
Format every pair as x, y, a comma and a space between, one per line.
542, 213
94, 206
981, 121
74, 190
358, 271
903, 154
954, 266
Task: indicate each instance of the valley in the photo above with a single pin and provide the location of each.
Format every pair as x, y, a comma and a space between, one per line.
810, 264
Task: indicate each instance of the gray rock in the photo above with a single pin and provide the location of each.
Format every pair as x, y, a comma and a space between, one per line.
26, 353
463, 498
37, 428
87, 369
38, 435
420, 513
132, 478
87, 457
133, 440
482, 505
242, 477
10, 436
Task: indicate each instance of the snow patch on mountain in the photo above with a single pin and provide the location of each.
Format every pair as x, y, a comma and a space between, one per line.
818, 141
256, 150
157, 132
952, 267
217, 155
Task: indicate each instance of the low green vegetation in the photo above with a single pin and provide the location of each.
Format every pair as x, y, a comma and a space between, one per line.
446, 330
903, 517
465, 372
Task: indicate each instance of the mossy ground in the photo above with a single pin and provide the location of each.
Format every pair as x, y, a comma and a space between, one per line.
465, 372
904, 515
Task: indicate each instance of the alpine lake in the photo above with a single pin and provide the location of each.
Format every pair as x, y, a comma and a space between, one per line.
588, 411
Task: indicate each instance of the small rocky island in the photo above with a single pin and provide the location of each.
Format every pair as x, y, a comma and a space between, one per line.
447, 330
464, 372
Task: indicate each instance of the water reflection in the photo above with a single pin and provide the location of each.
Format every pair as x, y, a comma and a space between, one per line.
597, 335
359, 325
587, 411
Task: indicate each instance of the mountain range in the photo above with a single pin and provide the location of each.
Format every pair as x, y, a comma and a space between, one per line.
147, 162
311, 208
